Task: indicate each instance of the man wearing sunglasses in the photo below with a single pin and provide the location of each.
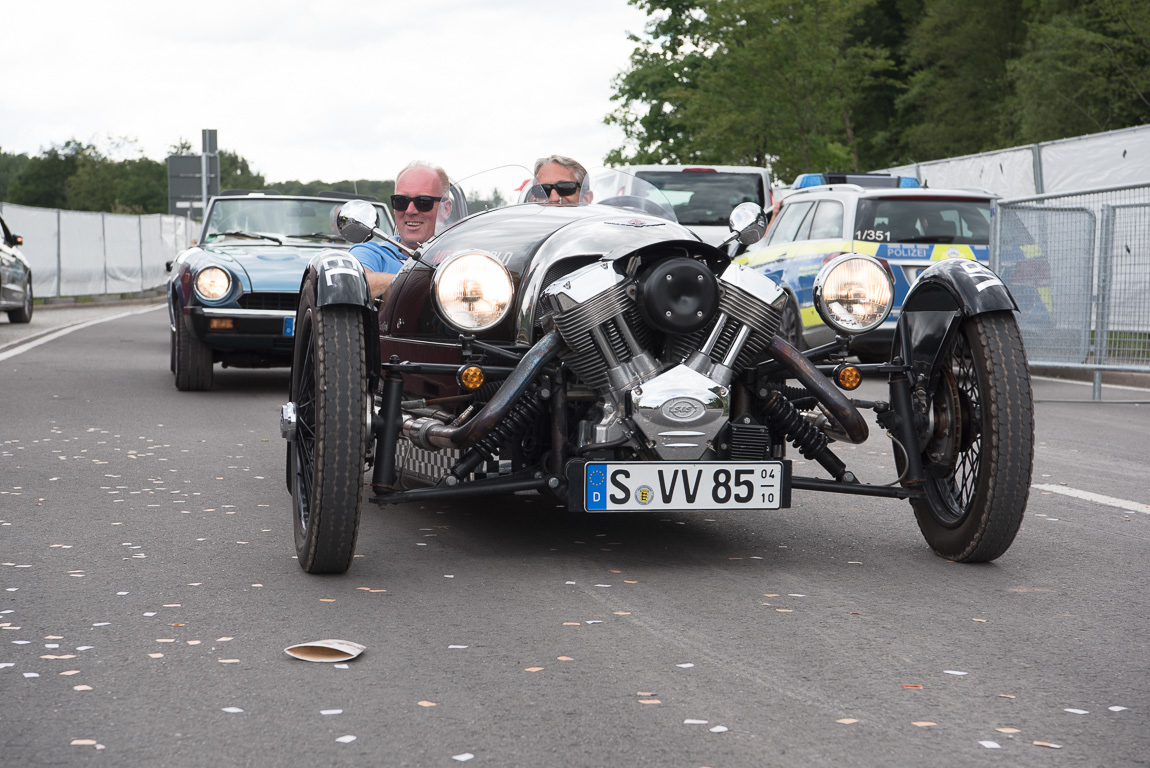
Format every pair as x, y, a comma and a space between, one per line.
420, 202
558, 181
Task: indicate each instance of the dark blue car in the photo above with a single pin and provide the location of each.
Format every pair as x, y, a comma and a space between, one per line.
232, 297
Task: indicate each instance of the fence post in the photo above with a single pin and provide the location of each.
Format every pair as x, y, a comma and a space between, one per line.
1102, 318
59, 259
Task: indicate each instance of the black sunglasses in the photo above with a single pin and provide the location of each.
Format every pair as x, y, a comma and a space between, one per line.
564, 188
423, 203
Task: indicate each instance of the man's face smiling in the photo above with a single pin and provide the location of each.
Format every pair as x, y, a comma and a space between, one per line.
412, 226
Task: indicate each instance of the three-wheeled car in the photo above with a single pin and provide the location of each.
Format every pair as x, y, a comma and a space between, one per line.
602, 356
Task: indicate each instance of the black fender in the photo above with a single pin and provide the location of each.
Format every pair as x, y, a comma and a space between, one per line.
944, 295
340, 279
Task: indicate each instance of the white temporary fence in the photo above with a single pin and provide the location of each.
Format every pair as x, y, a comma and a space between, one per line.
76, 253
1098, 160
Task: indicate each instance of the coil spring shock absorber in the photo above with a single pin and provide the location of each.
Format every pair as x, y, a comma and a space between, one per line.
811, 443
522, 414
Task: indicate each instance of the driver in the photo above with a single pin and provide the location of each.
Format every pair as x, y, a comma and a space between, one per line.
420, 203
558, 181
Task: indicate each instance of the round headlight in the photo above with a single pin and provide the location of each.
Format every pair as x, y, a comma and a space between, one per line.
853, 293
473, 291
213, 283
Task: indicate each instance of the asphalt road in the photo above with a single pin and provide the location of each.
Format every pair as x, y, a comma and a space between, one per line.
149, 588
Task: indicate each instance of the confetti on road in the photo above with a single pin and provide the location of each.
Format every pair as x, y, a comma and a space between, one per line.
1117, 709
1008, 730
426, 703
1077, 711
954, 672
456, 647
981, 621
463, 758
229, 661
923, 723
534, 669
694, 722
232, 710
720, 729
912, 685
346, 739
1047, 744
688, 665
331, 711
83, 742
156, 655
991, 744
564, 658
81, 687
847, 720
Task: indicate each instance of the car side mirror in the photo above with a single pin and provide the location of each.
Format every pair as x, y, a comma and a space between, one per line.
748, 223
356, 220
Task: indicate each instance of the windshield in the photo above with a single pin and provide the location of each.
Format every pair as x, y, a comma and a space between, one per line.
706, 197
923, 220
274, 219
515, 185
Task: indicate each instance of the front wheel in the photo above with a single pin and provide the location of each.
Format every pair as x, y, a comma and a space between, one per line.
979, 454
24, 314
326, 460
193, 360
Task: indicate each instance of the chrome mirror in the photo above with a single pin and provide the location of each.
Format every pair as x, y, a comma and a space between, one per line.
356, 220
748, 222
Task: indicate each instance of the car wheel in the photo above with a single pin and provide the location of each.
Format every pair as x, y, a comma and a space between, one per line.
24, 314
193, 363
791, 327
979, 454
330, 391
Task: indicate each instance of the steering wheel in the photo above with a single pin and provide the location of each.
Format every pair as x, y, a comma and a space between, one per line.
634, 202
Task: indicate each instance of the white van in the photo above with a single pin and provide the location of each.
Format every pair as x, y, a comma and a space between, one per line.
704, 195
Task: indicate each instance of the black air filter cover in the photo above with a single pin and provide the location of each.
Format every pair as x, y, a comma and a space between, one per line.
678, 295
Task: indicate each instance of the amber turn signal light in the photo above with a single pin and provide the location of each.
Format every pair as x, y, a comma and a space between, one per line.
471, 377
221, 324
848, 377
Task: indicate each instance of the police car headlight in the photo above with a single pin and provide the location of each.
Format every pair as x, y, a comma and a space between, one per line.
853, 293
213, 283
472, 291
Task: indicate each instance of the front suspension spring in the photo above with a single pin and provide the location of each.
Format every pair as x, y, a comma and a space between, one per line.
522, 415
812, 443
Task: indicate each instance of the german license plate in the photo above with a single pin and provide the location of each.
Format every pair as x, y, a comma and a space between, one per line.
289, 326
639, 486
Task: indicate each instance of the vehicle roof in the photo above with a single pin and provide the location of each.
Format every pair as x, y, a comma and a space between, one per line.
855, 191
709, 166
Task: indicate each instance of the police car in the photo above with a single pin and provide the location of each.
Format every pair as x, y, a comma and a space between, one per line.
907, 228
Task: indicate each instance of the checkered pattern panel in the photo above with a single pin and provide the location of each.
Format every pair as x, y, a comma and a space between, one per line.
417, 467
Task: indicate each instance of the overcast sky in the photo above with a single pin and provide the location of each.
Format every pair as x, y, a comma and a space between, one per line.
319, 90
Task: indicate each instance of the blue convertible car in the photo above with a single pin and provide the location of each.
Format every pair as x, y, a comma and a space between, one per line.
232, 297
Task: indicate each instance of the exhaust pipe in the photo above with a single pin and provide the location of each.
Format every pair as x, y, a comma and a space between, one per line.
432, 435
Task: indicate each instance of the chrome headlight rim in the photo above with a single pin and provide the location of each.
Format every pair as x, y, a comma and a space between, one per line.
210, 292
823, 302
443, 272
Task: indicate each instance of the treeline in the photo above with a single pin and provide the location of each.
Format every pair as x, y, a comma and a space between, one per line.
79, 177
810, 85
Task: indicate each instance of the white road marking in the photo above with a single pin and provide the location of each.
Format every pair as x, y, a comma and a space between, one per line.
21, 348
1097, 498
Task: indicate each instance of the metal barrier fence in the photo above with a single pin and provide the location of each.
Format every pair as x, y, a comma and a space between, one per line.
1079, 267
76, 253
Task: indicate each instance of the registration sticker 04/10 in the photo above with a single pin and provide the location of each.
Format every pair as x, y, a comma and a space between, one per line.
658, 485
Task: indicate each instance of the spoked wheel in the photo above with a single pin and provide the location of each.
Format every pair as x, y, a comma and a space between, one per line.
979, 453
326, 460
24, 314
193, 360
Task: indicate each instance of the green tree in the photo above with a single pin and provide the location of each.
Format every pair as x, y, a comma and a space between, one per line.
749, 82
956, 102
236, 173
1085, 69
44, 178
10, 167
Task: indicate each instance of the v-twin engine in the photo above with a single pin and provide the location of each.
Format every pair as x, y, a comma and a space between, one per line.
659, 350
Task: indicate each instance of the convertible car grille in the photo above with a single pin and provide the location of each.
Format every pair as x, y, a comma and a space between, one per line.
287, 302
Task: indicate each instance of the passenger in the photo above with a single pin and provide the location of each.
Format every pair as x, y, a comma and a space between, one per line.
558, 181
420, 202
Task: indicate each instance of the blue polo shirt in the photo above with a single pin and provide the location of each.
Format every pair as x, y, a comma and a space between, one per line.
378, 257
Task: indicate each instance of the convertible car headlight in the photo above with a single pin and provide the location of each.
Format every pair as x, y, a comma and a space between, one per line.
213, 283
473, 291
853, 293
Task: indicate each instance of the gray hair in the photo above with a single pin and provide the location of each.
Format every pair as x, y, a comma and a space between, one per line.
445, 183
574, 166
